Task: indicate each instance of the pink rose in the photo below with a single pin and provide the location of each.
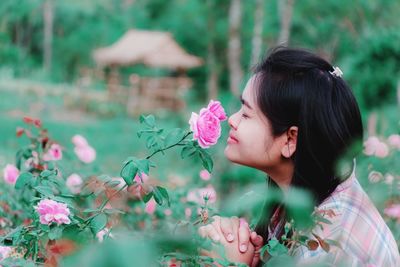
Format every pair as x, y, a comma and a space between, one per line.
200, 194
53, 153
216, 108
79, 141
373, 146
4, 252
74, 183
168, 212
150, 206
52, 211
205, 175
393, 211
86, 154
206, 128
139, 180
188, 212
102, 233
11, 174
394, 140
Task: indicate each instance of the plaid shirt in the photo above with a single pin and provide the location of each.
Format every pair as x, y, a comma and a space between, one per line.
364, 237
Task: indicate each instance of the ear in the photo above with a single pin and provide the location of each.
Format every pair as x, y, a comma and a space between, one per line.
290, 142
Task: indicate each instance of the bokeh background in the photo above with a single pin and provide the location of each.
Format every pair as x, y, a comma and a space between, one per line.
48, 71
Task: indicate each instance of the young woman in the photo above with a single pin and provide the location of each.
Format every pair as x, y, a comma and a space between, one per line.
298, 117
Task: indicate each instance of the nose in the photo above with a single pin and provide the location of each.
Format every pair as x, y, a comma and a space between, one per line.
232, 121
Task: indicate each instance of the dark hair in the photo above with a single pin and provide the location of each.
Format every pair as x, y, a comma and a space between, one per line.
296, 88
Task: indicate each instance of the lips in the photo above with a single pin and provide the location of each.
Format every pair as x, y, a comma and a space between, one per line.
232, 139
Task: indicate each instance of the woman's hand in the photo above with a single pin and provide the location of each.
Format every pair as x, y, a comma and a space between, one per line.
240, 244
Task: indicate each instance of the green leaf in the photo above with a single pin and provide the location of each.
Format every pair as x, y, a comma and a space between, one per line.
143, 165
128, 172
44, 190
23, 179
98, 223
164, 193
55, 233
46, 173
158, 196
147, 197
275, 248
173, 137
149, 120
188, 151
206, 160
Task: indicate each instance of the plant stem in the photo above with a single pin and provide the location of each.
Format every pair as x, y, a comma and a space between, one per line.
168, 147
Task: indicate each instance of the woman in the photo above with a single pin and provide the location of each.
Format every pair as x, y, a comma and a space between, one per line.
298, 117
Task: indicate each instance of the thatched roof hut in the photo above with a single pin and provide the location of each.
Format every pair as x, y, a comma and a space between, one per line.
152, 48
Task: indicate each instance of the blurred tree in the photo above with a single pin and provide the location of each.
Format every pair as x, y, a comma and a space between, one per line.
234, 47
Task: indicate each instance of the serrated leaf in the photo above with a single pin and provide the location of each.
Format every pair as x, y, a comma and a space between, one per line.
46, 173
23, 179
158, 196
173, 137
164, 193
44, 190
128, 172
147, 197
188, 151
206, 160
143, 165
98, 223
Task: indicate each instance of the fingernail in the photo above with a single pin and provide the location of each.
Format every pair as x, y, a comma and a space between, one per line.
243, 248
243, 223
230, 237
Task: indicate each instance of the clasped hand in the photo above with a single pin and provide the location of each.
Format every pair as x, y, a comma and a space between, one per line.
240, 243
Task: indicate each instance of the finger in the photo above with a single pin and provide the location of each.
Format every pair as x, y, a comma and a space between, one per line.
257, 240
227, 229
202, 231
244, 235
212, 233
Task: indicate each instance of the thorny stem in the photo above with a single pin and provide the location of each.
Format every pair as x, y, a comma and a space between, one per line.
168, 147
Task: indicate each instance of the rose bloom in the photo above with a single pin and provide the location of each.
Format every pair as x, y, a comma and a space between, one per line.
4, 252
206, 128
79, 141
53, 153
86, 154
198, 195
205, 175
11, 174
150, 206
74, 183
393, 211
216, 108
394, 140
52, 211
373, 146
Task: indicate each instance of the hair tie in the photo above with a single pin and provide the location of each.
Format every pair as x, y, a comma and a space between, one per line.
336, 72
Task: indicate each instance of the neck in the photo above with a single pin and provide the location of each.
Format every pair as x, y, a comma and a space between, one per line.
282, 174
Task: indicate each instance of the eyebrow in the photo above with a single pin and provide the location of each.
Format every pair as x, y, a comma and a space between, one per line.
244, 102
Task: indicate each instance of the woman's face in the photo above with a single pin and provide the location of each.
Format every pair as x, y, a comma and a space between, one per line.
250, 140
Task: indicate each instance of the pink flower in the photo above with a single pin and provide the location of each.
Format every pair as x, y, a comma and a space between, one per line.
205, 175
188, 212
206, 128
394, 140
11, 174
199, 195
216, 108
375, 176
393, 211
105, 232
373, 146
4, 252
52, 211
168, 212
79, 141
53, 153
86, 154
150, 206
139, 180
74, 183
